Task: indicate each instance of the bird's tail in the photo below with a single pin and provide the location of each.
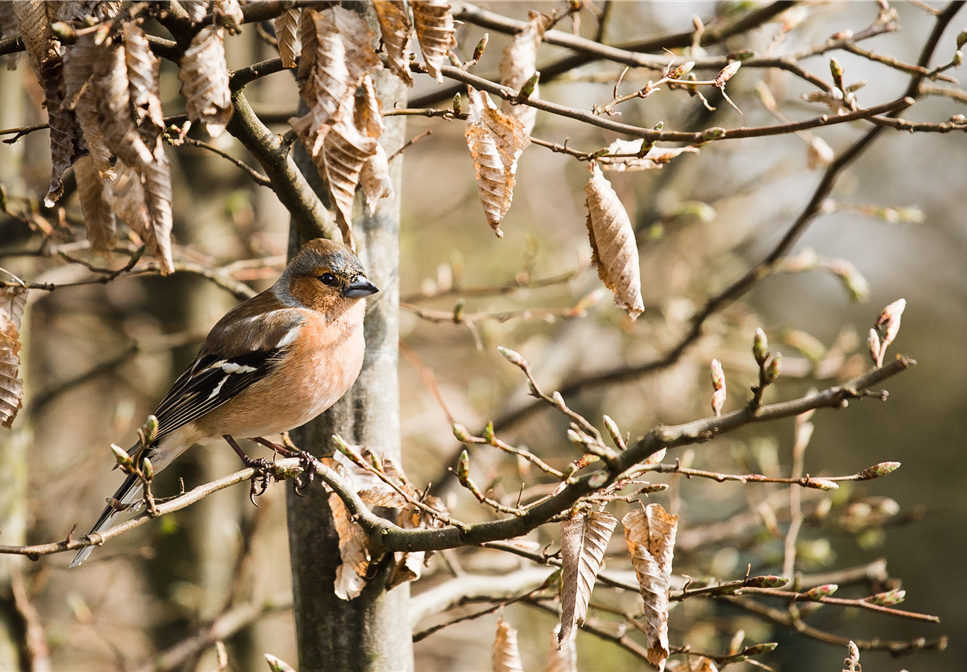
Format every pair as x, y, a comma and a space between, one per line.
129, 491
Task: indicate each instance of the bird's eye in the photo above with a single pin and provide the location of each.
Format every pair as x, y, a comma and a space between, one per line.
327, 279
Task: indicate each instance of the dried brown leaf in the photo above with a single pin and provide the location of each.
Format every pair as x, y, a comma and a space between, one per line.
367, 112
407, 567
562, 657
79, 62
656, 157
584, 539
496, 142
287, 36
9, 28
156, 177
197, 9
651, 542
12, 302
434, 32
98, 218
205, 76
613, 245
125, 194
143, 69
375, 180
342, 54
395, 27
114, 107
228, 13
65, 134
351, 574
518, 64
506, 653
33, 24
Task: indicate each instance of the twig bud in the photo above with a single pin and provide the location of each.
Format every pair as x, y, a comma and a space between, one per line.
457, 108
463, 466
64, 31
836, 70
877, 471
726, 73
479, 49
147, 470
513, 357
819, 592
148, 433
821, 484
961, 39
759, 649
714, 133
718, 385
958, 59
767, 581
772, 369
123, 459
682, 70
615, 433
527, 90
873, 342
461, 433
887, 599
760, 347
488, 434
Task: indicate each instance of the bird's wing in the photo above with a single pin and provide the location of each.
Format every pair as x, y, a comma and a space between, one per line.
240, 350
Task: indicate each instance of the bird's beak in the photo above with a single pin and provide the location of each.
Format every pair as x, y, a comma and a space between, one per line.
359, 288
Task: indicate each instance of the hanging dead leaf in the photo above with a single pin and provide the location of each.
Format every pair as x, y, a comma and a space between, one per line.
98, 218
434, 32
407, 567
519, 63
65, 134
506, 652
656, 157
9, 28
33, 24
613, 246
205, 76
143, 69
395, 28
287, 36
12, 302
367, 112
375, 180
496, 142
341, 56
156, 177
114, 107
228, 13
351, 574
79, 62
651, 542
584, 539
125, 194
197, 9
562, 657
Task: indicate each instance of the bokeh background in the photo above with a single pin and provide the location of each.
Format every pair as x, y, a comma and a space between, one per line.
97, 359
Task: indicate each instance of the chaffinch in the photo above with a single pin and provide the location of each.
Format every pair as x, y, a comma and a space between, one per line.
269, 365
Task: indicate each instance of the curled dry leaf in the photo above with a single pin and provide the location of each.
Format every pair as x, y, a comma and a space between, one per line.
79, 64
375, 180
336, 55
98, 218
114, 106
156, 177
125, 194
65, 134
518, 64
367, 112
651, 542
561, 657
584, 539
351, 574
434, 32
287, 36
395, 27
496, 141
9, 28
12, 302
33, 25
656, 157
614, 250
205, 76
506, 653
143, 86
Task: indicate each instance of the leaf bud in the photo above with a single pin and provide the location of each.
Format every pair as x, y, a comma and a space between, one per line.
615, 433
878, 470
822, 484
760, 347
887, 599
682, 70
961, 39
460, 433
958, 59
457, 111
820, 591
714, 133
512, 356
463, 466
64, 31
836, 70
726, 73
772, 368
873, 342
718, 375
147, 470
479, 49
150, 429
759, 649
488, 434
527, 90
123, 459
768, 581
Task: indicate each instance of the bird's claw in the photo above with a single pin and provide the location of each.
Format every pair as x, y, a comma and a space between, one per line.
308, 472
260, 479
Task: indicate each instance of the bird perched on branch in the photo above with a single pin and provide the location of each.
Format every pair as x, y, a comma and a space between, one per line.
269, 365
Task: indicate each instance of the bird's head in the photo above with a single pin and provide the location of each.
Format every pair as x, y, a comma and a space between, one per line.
327, 277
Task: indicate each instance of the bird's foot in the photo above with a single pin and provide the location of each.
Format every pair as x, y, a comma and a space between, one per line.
306, 461
263, 470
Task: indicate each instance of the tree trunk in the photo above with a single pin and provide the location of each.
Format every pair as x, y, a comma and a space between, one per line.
370, 632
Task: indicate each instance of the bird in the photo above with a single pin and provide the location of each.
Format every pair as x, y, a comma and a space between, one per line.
271, 364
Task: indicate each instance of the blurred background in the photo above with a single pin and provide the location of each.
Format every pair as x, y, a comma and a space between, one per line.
98, 358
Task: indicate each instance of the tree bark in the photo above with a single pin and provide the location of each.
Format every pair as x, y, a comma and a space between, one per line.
369, 633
